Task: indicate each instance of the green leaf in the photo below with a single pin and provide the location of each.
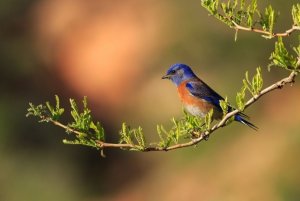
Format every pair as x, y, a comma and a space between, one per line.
57, 105
242, 4
125, 135
240, 99
251, 10
177, 130
211, 6
247, 83
37, 111
139, 136
80, 142
208, 119
50, 108
165, 142
257, 82
253, 6
267, 20
282, 58
99, 131
162, 139
271, 17
82, 120
74, 111
297, 51
224, 105
253, 87
296, 14
57, 111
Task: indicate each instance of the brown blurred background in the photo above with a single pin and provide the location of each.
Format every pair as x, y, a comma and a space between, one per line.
115, 52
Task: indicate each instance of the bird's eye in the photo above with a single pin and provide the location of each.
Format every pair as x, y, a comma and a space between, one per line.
172, 72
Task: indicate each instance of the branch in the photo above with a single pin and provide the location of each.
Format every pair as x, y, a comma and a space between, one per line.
277, 85
288, 32
244, 16
90, 133
102, 145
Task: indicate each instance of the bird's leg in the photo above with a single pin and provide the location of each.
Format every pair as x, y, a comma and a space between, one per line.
205, 136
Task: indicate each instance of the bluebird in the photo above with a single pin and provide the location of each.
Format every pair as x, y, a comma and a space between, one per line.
197, 97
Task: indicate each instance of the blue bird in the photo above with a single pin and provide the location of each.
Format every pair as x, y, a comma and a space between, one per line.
197, 97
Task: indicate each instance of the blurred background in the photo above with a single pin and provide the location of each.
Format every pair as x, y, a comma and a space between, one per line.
115, 52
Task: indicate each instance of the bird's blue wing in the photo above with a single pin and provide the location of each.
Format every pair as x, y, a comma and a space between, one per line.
201, 90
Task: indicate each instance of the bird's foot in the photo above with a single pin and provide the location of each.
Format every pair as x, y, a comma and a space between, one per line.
205, 136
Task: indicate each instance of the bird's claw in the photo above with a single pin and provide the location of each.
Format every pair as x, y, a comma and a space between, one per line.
205, 136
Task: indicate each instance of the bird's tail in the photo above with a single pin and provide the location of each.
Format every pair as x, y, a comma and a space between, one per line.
240, 117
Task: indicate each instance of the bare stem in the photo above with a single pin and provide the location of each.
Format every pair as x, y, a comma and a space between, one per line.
288, 32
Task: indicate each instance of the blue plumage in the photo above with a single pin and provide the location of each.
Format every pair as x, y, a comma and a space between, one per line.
197, 97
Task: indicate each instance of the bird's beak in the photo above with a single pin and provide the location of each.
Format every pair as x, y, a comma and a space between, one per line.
166, 77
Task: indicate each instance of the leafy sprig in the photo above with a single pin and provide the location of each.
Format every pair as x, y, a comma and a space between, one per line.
284, 59
92, 134
87, 132
239, 15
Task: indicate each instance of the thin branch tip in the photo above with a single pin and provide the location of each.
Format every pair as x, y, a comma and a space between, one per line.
286, 33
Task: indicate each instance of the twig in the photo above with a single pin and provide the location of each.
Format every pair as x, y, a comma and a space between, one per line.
267, 33
277, 85
102, 145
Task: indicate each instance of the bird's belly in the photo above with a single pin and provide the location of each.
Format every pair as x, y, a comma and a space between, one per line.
195, 110
196, 106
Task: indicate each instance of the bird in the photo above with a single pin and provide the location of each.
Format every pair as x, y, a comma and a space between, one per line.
197, 97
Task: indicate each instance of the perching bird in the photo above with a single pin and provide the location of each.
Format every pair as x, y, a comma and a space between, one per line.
197, 97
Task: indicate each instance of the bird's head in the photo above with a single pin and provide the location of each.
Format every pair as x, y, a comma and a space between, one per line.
178, 73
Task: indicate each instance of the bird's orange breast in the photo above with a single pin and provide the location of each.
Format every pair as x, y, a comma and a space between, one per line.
194, 105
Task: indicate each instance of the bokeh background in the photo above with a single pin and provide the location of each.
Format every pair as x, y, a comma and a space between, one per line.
115, 52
